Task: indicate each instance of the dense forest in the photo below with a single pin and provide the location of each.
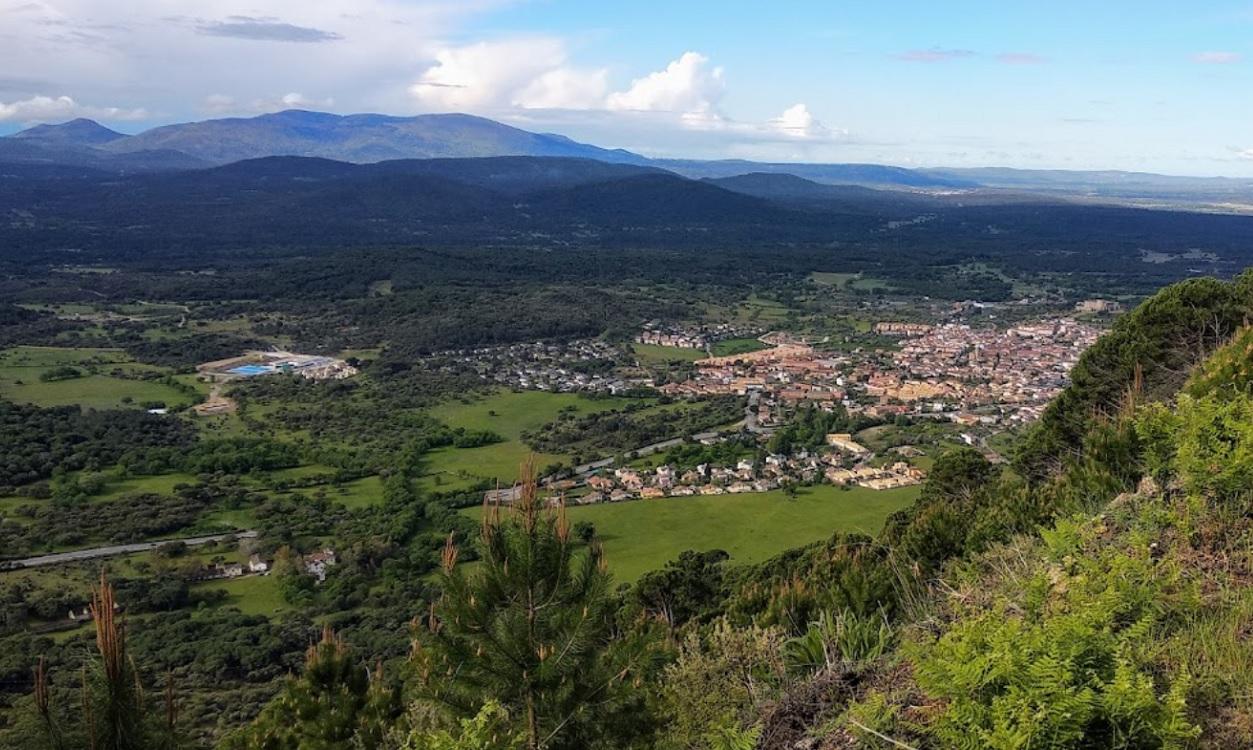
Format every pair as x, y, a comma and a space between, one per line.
1094, 594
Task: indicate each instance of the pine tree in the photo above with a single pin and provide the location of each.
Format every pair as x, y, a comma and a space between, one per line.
114, 713
335, 704
532, 628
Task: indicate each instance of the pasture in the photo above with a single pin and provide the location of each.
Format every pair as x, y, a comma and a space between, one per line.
642, 535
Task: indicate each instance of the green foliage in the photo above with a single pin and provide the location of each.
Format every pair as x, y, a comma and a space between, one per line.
719, 682
1228, 369
809, 426
35, 442
1064, 663
486, 730
842, 637
1207, 443
64, 372
936, 527
734, 738
532, 627
617, 431
848, 571
334, 705
690, 586
1151, 350
113, 713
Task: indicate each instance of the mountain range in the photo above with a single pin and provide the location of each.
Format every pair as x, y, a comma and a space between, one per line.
82, 144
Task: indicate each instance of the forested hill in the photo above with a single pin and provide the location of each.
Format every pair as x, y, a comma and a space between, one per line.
269, 207
1096, 594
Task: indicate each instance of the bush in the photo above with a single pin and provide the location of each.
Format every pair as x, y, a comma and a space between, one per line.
1065, 661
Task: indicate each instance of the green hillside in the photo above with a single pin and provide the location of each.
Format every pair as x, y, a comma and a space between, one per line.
1095, 593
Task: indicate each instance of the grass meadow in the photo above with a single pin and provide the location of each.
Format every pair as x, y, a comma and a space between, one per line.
642, 535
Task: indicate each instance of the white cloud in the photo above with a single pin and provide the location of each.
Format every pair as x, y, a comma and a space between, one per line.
488, 75
1245, 154
172, 54
219, 104
687, 86
1217, 58
296, 100
223, 104
61, 108
536, 73
565, 88
797, 121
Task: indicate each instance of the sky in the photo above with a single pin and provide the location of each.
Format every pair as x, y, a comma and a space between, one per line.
1152, 85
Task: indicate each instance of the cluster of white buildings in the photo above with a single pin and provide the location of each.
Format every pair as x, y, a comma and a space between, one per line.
259, 363
776, 471
560, 367
691, 337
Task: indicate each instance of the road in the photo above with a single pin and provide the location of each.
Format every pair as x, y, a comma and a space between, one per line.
750, 415
114, 550
749, 423
653, 448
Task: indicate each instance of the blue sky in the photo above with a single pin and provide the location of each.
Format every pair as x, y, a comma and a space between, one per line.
1155, 86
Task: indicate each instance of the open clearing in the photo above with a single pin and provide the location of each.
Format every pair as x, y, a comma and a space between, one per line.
653, 354
21, 368
642, 535
729, 347
252, 595
508, 414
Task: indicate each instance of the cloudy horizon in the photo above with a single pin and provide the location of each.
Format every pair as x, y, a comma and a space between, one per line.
973, 84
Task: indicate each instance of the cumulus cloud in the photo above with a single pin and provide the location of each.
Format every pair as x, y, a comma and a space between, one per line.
536, 73
687, 86
934, 55
533, 84
60, 108
565, 88
1245, 154
1217, 58
265, 29
175, 53
489, 75
798, 122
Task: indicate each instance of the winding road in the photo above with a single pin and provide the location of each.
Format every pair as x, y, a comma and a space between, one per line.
114, 550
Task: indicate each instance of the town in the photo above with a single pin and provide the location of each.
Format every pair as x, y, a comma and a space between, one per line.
952, 371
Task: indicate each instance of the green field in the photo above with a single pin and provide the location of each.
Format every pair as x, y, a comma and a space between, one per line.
161, 484
729, 347
870, 285
21, 368
829, 278
642, 535
757, 309
652, 354
358, 494
252, 595
508, 414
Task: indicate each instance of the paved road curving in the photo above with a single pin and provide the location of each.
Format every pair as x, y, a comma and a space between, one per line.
114, 550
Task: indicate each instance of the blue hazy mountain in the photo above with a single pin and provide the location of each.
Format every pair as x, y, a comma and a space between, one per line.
75, 133
373, 138
357, 138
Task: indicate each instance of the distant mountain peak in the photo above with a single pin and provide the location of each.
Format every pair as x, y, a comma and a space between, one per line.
358, 138
78, 132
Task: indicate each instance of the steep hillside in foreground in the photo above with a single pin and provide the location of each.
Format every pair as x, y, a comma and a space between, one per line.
1107, 605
